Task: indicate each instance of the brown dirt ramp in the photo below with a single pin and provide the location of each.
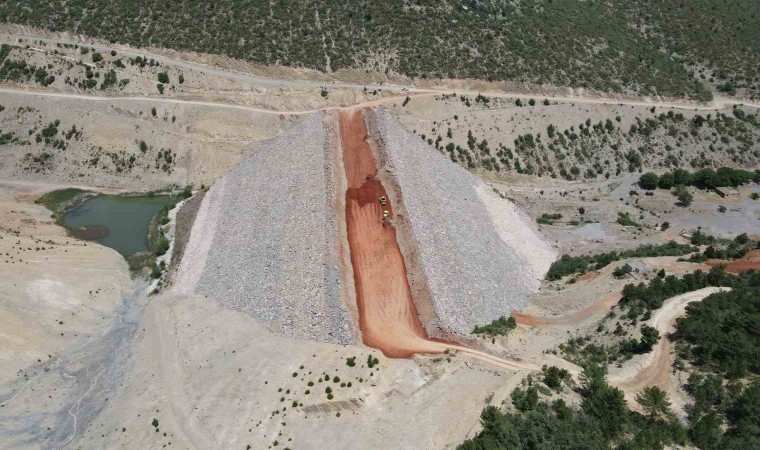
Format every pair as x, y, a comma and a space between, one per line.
387, 316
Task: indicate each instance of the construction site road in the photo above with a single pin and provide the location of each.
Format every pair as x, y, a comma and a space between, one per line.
717, 103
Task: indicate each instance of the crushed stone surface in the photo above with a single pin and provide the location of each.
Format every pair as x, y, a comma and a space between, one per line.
273, 249
481, 256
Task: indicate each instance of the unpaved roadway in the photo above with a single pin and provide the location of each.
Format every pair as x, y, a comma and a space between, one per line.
654, 368
579, 97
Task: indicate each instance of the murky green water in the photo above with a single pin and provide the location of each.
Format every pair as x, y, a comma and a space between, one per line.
117, 222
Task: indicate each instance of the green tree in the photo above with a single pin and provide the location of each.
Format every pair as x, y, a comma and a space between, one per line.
593, 378
681, 177
553, 376
607, 405
666, 181
525, 400
163, 78
684, 196
649, 181
654, 401
649, 337
97, 57
706, 433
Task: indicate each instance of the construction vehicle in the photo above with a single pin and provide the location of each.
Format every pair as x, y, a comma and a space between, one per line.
386, 219
383, 201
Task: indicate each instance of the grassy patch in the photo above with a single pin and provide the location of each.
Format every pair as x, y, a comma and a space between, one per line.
62, 200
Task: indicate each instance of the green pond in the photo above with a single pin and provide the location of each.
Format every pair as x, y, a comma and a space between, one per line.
114, 221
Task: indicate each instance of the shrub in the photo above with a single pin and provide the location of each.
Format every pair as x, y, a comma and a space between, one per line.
684, 196
553, 376
649, 181
666, 181
548, 219
499, 327
161, 246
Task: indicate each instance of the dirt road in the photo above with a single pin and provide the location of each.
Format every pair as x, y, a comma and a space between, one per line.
654, 367
598, 307
717, 103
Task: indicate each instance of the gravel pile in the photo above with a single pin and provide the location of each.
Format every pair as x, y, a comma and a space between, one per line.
273, 252
480, 254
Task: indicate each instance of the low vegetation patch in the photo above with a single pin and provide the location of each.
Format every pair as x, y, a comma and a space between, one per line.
603, 420
549, 219
62, 200
568, 265
640, 298
499, 327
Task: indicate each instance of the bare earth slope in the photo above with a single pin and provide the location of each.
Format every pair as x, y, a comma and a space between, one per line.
480, 254
265, 239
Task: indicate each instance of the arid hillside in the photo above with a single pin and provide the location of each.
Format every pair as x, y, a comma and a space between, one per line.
647, 48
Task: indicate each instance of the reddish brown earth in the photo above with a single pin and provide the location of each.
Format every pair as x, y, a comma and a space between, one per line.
602, 305
751, 261
387, 316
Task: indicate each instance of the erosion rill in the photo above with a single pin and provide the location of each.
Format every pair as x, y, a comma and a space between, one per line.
387, 316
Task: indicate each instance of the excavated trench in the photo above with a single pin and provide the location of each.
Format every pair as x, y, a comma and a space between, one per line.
388, 317
387, 314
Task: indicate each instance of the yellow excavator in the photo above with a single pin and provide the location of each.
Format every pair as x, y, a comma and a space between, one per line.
386, 214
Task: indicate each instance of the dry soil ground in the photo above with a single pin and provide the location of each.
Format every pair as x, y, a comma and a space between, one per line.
89, 362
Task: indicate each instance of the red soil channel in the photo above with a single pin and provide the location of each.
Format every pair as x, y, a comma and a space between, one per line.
387, 316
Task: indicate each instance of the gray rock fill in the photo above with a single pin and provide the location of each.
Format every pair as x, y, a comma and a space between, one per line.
474, 276
273, 253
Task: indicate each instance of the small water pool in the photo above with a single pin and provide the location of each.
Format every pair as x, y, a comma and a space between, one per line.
116, 221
